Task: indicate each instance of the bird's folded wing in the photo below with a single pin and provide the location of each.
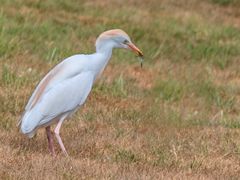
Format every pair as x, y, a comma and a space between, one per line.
42, 86
63, 97
66, 69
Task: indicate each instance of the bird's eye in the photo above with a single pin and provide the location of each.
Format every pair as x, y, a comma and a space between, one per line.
125, 41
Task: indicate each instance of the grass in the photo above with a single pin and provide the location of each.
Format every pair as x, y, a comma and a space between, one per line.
177, 117
226, 2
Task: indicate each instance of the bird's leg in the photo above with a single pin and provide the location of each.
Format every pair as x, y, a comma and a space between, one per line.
57, 129
50, 141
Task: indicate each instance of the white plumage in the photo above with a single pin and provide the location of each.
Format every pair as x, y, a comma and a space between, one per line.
67, 85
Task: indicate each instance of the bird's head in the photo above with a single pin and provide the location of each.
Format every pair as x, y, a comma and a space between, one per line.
116, 38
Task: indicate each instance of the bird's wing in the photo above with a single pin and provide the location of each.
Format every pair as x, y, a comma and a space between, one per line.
64, 97
66, 69
42, 86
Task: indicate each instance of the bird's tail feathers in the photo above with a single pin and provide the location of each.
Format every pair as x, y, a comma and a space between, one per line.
19, 121
29, 121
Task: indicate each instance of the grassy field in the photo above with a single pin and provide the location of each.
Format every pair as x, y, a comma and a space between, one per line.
177, 118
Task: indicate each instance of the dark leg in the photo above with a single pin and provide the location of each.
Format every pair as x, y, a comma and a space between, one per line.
50, 141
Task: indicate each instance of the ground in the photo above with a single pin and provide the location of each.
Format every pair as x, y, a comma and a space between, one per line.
176, 118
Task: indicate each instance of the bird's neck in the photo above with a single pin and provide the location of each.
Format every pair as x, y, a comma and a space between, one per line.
101, 59
104, 46
104, 49
103, 54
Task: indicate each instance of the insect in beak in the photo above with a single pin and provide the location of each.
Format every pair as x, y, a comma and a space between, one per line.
137, 51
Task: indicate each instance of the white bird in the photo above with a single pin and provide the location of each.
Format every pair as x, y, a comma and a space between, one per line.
66, 87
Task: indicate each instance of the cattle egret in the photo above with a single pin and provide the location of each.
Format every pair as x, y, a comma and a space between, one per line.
66, 87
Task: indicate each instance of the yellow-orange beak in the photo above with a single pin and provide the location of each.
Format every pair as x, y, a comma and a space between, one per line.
135, 49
